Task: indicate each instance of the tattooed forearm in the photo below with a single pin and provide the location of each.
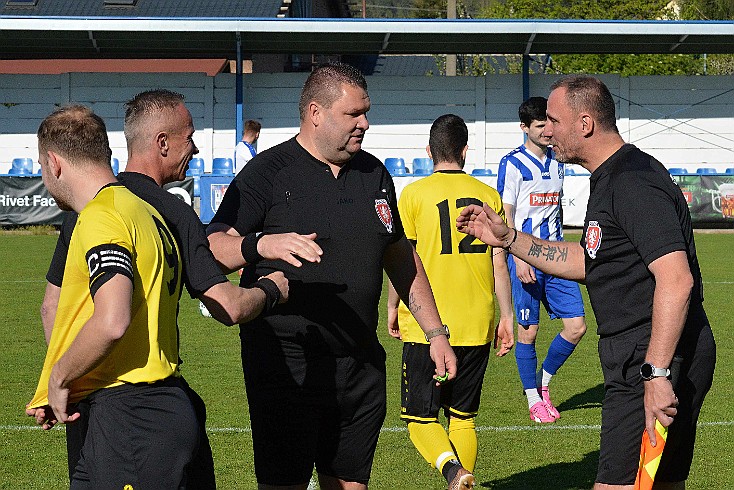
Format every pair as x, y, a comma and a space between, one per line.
552, 253
412, 305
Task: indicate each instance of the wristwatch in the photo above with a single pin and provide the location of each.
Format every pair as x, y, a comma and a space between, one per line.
648, 371
442, 330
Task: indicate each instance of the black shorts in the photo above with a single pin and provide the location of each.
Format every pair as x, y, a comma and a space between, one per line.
421, 399
199, 473
623, 412
138, 435
322, 411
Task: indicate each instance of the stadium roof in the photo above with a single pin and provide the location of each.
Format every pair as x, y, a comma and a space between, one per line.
142, 8
34, 37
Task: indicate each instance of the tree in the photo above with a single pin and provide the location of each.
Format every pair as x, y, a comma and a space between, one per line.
716, 64
429, 9
625, 65
706, 9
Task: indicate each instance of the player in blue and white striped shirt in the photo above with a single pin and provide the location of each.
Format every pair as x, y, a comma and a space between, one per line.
531, 184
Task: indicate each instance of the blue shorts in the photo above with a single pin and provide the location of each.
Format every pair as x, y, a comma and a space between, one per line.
561, 297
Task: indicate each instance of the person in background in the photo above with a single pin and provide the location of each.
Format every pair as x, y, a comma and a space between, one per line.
530, 181
245, 149
464, 277
314, 368
638, 258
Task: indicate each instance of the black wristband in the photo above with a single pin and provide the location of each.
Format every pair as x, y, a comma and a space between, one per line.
272, 293
511, 241
249, 248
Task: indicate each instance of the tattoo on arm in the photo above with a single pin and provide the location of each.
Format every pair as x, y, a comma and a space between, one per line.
552, 253
412, 305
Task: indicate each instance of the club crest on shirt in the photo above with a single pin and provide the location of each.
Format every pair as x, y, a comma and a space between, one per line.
593, 238
384, 213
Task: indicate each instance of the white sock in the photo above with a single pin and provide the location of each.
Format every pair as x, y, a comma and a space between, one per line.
533, 397
546, 378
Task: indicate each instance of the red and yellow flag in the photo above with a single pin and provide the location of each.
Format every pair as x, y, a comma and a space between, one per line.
650, 457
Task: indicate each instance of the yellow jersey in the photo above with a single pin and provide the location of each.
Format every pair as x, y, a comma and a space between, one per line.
118, 232
458, 266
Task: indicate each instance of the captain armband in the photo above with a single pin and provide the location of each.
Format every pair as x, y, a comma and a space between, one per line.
104, 261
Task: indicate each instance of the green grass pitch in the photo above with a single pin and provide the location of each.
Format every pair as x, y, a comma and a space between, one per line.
514, 453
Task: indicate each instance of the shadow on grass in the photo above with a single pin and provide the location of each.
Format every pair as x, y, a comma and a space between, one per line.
556, 476
590, 398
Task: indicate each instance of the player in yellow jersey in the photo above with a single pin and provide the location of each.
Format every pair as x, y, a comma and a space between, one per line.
114, 340
464, 277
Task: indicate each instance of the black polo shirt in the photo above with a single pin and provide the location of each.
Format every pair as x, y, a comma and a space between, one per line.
333, 305
200, 269
636, 214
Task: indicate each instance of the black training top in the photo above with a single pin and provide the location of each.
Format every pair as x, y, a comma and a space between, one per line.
636, 214
333, 305
200, 270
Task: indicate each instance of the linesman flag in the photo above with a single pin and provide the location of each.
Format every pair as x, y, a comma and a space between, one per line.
650, 457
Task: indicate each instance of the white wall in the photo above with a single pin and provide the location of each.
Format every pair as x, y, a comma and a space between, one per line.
683, 121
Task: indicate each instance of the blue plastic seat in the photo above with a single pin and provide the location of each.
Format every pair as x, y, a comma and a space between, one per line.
222, 166
706, 171
399, 172
422, 166
729, 171
196, 167
396, 166
482, 172
19, 171
115, 163
24, 166
677, 171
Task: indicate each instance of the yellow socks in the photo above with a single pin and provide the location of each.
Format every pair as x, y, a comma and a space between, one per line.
432, 443
463, 437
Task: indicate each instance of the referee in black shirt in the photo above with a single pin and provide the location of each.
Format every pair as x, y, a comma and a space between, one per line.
638, 259
314, 369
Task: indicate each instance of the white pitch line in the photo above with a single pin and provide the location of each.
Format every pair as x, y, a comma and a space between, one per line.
481, 428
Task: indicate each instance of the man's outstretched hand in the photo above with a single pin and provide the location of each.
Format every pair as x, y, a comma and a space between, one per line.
483, 223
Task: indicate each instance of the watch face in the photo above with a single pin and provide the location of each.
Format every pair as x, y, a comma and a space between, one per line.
646, 370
